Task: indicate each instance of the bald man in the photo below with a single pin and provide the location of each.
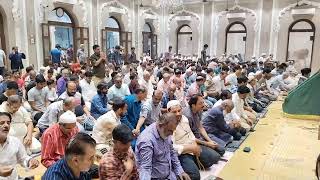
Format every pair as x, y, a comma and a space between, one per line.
150, 111
216, 126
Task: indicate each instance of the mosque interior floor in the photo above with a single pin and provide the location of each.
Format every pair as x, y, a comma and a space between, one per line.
281, 149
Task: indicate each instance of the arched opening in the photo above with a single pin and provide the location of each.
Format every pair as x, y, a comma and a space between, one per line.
184, 40
61, 29
236, 37
2, 35
112, 33
149, 41
301, 37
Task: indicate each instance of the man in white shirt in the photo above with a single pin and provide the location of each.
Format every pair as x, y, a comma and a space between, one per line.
218, 81
12, 151
145, 81
163, 84
232, 79
102, 130
118, 90
54, 111
238, 101
2, 61
88, 88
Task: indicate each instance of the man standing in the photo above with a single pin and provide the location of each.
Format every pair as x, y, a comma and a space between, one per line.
132, 58
116, 58
168, 55
2, 61
56, 55
204, 55
119, 163
81, 55
12, 151
155, 155
16, 59
78, 159
98, 62
55, 138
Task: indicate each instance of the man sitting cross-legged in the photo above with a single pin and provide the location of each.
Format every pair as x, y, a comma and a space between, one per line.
56, 137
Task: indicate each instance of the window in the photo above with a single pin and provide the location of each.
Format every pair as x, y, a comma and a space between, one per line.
149, 41
236, 36
184, 41
112, 33
300, 43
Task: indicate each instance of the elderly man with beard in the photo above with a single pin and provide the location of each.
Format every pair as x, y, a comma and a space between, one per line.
12, 151
156, 157
215, 124
192, 155
150, 111
21, 123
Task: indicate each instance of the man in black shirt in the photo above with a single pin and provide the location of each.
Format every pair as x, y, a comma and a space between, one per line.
12, 89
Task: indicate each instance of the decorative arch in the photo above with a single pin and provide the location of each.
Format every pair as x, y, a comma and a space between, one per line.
291, 6
116, 4
149, 11
239, 31
238, 8
182, 13
184, 33
302, 52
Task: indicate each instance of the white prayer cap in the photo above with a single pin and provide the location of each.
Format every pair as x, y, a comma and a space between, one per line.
263, 54
251, 74
68, 118
173, 103
274, 72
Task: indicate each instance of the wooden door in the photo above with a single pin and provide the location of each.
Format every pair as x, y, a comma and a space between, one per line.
46, 42
81, 36
154, 46
126, 41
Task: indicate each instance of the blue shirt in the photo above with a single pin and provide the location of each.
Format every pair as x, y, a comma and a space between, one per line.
214, 122
116, 58
16, 60
55, 55
133, 113
166, 99
99, 105
61, 171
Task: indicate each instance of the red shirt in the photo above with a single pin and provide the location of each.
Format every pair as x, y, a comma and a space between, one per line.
53, 144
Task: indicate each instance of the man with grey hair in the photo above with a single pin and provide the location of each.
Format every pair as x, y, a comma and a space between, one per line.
150, 111
156, 157
81, 55
215, 124
188, 147
53, 112
145, 81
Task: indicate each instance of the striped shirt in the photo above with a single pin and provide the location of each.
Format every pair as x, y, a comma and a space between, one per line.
53, 144
61, 171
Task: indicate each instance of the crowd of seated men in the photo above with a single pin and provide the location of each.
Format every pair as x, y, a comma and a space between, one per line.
156, 119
